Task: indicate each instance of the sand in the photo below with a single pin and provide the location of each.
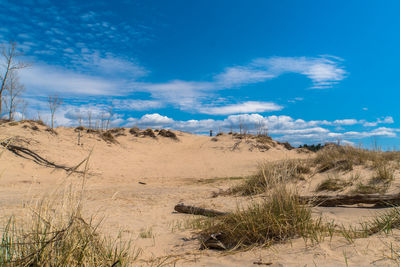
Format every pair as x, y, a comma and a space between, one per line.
135, 183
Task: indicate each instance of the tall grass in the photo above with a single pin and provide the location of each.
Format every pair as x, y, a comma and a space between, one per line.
342, 157
272, 174
384, 223
56, 233
280, 217
346, 157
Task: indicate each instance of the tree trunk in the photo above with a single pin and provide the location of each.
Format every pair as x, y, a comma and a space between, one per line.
182, 208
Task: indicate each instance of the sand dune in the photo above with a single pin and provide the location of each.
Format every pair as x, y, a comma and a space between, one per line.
171, 171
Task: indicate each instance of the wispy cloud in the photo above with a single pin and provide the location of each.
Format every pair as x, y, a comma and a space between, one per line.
323, 71
139, 105
245, 107
42, 80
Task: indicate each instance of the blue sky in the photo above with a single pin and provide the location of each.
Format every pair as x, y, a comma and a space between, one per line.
309, 71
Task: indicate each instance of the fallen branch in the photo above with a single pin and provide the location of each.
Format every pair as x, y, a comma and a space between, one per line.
182, 208
338, 200
29, 154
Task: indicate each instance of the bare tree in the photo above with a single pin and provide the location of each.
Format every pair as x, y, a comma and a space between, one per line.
13, 91
24, 107
110, 112
80, 119
90, 119
9, 64
54, 103
261, 128
102, 120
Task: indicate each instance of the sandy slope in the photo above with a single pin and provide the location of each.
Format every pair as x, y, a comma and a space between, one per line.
174, 171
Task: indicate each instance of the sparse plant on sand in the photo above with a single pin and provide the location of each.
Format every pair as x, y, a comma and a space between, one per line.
280, 217
333, 183
56, 233
271, 174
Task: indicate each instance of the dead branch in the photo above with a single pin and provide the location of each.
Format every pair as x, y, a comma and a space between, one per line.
29, 154
338, 200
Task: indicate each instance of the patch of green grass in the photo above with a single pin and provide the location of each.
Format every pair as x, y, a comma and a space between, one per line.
384, 223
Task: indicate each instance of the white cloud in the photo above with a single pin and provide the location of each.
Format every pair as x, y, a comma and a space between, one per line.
193, 95
385, 120
283, 128
183, 94
345, 122
235, 76
155, 120
245, 107
324, 71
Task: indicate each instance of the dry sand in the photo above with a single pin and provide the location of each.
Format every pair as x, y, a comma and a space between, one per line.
173, 172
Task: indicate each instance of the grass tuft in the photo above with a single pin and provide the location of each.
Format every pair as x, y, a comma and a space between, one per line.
342, 158
56, 233
333, 183
278, 218
271, 175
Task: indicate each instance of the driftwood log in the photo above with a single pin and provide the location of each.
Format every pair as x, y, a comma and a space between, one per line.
29, 154
338, 200
182, 208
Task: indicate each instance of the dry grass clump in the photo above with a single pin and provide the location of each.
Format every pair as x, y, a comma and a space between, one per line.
333, 183
278, 218
50, 130
13, 123
40, 122
369, 188
108, 137
345, 157
117, 131
342, 157
134, 131
168, 134
79, 128
55, 233
384, 174
272, 174
287, 145
149, 132
48, 241
379, 183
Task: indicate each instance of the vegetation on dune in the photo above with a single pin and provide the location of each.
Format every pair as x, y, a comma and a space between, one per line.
280, 217
333, 183
56, 233
271, 174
